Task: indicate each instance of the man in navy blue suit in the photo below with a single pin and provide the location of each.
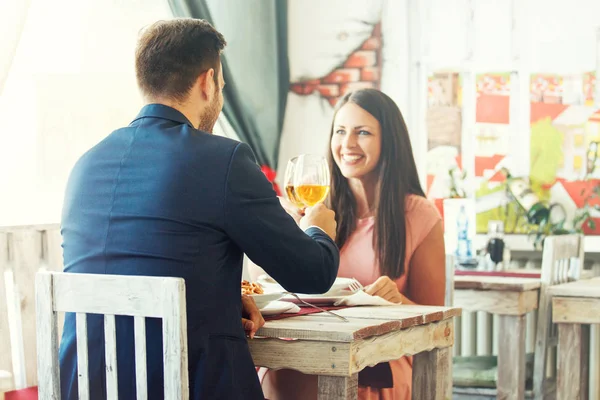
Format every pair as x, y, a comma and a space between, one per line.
165, 197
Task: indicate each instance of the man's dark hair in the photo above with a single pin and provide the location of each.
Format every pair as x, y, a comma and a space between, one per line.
170, 55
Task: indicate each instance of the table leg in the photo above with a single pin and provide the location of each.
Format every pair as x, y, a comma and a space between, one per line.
511, 357
431, 375
338, 387
573, 361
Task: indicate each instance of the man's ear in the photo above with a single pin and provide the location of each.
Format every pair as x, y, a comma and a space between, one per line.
206, 83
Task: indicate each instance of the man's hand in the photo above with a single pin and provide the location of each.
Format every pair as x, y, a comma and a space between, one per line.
320, 216
291, 209
252, 319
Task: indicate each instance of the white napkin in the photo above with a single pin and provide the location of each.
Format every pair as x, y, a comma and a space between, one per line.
361, 298
279, 307
293, 310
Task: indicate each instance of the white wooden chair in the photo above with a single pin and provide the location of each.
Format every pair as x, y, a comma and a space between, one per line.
112, 295
562, 261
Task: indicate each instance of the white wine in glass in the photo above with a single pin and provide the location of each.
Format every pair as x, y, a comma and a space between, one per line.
311, 179
289, 183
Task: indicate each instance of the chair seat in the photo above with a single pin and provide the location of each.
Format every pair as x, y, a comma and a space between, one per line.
481, 371
475, 371
473, 393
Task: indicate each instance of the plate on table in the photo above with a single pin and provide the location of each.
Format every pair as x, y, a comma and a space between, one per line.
271, 285
262, 300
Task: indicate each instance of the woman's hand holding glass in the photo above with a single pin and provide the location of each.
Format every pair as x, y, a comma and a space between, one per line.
311, 179
306, 183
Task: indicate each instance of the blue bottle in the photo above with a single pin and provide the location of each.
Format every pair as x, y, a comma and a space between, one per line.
463, 248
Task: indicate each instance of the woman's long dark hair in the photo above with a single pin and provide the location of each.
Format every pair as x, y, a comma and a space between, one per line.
397, 178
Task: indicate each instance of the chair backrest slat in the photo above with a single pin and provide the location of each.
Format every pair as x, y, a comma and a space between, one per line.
110, 350
111, 295
47, 339
139, 326
121, 295
174, 339
82, 356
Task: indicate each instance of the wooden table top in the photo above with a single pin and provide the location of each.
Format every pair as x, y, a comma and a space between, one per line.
581, 288
511, 284
363, 322
504, 283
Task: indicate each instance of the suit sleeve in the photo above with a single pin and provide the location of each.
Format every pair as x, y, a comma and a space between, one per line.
304, 262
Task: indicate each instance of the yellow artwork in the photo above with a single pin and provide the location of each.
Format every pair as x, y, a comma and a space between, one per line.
546, 150
577, 162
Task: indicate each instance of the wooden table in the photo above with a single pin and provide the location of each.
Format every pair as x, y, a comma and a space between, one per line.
511, 298
575, 306
336, 350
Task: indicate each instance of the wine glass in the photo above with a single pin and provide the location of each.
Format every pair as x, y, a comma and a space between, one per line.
311, 179
288, 183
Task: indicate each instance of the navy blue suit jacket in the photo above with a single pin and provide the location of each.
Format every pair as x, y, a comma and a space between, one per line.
160, 198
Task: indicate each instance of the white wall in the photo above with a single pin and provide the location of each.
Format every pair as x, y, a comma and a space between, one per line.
558, 36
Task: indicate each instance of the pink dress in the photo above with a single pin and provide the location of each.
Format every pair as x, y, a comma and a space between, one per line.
359, 260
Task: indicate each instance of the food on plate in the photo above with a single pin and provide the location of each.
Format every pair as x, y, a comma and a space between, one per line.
251, 288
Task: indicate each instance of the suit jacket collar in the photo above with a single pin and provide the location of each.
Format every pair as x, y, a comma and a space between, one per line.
164, 112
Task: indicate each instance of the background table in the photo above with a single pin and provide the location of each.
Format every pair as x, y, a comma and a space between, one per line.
575, 306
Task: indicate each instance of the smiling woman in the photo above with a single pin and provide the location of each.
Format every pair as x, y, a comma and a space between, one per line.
390, 236
373, 171
356, 141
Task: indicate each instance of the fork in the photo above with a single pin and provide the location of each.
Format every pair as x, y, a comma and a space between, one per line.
355, 286
318, 308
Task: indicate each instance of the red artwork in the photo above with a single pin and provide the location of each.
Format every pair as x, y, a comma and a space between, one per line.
362, 69
546, 88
